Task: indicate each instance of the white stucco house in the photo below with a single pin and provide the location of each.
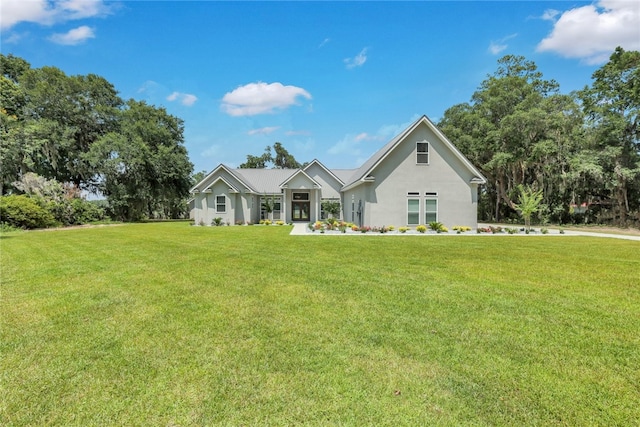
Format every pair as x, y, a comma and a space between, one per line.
417, 177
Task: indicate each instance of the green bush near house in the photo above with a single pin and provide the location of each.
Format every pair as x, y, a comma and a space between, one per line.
152, 324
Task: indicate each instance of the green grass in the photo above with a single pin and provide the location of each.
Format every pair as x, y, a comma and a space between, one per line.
171, 325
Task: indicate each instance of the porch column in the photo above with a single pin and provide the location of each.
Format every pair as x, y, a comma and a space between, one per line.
283, 206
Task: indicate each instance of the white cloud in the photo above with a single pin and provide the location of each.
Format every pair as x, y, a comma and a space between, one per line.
358, 60
261, 98
362, 136
148, 86
13, 38
497, 46
348, 145
550, 14
324, 42
356, 146
352, 144
592, 32
47, 12
73, 37
263, 131
184, 98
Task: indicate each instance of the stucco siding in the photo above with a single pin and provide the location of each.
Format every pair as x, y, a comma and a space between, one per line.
330, 187
399, 174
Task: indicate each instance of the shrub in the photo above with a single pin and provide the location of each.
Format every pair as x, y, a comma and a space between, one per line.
84, 212
403, 229
461, 228
217, 221
391, 227
267, 222
435, 226
421, 228
24, 212
279, 222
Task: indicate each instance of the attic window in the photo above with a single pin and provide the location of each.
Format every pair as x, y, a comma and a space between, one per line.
422, 153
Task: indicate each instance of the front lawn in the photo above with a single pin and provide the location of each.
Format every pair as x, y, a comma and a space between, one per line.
172, 325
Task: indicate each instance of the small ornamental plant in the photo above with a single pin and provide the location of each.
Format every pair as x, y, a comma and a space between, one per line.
461, 229
436, 226
267, 222
391, 227
364, 229
279, 222
354, 228
318, 225
421, 228
403, 229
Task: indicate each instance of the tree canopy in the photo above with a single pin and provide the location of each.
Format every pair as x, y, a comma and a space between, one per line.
577, 148
282, 159
77, 130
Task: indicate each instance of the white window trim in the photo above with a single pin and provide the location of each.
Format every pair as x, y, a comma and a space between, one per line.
412, 197
423, 152
223, 204
431, 196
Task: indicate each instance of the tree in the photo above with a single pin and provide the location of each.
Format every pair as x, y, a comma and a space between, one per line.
519, 131
258, 162
611, 158
79, 110
144, 170
282, 160
529, 202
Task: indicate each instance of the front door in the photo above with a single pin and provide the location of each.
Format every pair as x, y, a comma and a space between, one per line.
300, 211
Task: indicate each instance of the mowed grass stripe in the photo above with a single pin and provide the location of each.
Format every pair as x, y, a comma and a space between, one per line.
167, 324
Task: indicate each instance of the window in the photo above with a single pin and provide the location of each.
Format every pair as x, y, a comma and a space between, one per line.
430, 209
221, 204
422, 153
300, 196
413, 211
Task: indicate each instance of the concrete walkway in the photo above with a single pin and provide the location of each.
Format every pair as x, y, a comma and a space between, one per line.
301, 229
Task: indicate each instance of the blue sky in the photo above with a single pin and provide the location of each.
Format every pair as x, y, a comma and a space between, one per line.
329, 80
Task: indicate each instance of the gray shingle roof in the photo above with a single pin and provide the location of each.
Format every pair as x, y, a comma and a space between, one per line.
264, 180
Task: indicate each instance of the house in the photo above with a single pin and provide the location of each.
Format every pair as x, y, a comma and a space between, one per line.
416, 178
